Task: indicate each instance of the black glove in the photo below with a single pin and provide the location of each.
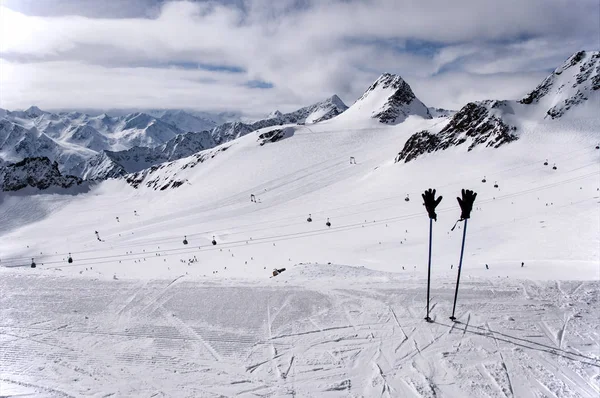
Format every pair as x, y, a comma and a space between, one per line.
431, 203
466, 203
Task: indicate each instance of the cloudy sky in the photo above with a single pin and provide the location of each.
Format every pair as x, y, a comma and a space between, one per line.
254, 56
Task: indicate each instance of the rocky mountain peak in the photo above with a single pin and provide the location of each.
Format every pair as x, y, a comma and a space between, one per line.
571, 84
389, 100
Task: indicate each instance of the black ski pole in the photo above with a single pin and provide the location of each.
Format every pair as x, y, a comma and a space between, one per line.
430, 203
462, 250
427, 318
466, 205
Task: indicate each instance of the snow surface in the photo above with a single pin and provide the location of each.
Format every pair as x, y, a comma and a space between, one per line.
203, 320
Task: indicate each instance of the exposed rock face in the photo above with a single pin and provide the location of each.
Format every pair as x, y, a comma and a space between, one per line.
38, 173
573, 88
418, 144
275, 135
475, 124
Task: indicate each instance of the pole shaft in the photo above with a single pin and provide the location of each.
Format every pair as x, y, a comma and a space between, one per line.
429, 266
462, 250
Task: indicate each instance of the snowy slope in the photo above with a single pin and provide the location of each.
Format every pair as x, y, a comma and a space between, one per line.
389, 100
354, 327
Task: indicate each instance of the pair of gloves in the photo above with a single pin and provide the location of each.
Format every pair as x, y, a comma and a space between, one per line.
466, 203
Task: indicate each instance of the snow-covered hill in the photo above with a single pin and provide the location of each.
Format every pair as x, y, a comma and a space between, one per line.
571, 92
389, 100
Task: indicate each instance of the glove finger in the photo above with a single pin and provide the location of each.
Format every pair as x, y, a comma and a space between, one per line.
460, 202
437, 202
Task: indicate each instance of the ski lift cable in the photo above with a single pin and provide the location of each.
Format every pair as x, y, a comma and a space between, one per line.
241, 228
329, 211
213, 208
140, 256
164, 240
316, 232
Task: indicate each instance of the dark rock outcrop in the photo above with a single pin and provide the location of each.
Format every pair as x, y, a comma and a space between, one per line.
38, 173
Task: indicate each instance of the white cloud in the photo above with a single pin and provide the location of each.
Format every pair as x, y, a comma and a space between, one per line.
470, 49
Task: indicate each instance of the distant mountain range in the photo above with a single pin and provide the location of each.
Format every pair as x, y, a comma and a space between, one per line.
100, 147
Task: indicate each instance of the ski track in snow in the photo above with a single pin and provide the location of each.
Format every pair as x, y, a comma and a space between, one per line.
224, 339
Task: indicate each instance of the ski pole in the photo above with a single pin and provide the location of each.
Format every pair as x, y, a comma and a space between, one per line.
430, 203
462, 250
427, 318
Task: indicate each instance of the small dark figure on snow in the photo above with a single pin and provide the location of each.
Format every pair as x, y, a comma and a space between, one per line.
522, 265
278, 271
487, 267
252, 198
352, 160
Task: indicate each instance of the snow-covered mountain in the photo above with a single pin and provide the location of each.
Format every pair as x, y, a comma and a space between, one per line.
573, 88
571, 92
319, 112
111, 164
315, 113
40, 173
73, 137
104, 146
389, 100
183, 120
